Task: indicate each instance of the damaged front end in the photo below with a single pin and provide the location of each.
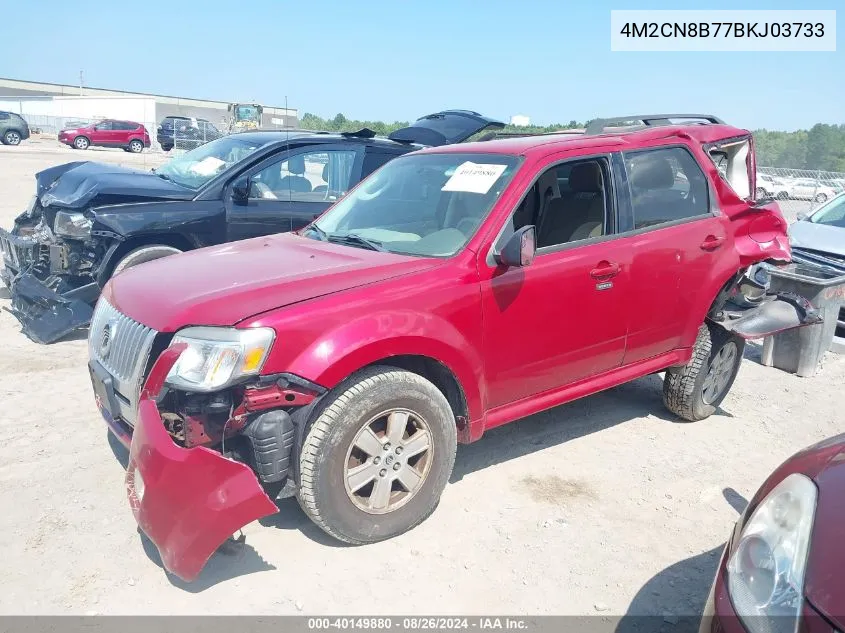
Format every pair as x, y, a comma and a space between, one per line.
188, 501
51, 280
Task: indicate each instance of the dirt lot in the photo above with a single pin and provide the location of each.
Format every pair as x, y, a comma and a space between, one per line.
606, 505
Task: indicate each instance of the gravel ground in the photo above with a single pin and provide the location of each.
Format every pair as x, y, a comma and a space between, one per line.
604, 506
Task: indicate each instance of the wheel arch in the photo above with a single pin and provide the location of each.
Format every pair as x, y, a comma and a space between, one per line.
175, 240
440, 376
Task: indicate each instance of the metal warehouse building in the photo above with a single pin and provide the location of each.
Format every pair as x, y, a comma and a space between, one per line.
49, 107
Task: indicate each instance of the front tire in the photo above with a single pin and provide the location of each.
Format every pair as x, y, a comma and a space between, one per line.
694, 391
144, 254
81, 142
821, 197
377, 458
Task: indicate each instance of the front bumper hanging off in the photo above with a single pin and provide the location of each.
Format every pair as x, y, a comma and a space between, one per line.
45, 315
188, 501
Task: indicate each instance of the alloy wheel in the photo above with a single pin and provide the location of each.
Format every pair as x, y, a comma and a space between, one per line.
719, 375
388, 461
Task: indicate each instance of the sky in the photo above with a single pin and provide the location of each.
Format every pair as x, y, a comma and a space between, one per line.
393, 60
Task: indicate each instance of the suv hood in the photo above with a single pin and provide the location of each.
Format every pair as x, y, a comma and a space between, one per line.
445, 128
817, 237
81, 184
223, 285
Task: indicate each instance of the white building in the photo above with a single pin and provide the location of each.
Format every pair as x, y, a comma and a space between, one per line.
47, 106
520, 120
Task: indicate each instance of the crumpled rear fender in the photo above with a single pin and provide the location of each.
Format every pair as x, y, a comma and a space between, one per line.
192, 500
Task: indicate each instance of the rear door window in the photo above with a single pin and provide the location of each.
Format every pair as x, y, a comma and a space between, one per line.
667, 185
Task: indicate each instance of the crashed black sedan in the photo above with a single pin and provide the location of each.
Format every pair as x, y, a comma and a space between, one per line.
89, 221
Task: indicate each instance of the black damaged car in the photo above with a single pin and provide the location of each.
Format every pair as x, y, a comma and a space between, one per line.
89, 221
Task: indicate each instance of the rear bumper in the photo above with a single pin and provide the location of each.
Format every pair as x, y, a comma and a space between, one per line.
192, 499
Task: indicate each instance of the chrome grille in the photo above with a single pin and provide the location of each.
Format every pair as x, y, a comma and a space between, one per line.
122, 346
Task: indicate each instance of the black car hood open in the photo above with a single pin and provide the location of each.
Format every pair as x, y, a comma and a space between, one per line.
82, 184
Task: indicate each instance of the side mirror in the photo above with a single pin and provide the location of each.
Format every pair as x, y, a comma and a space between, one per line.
520, 248
240, 190
802, 216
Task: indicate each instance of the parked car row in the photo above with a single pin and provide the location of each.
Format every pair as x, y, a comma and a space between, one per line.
796, 188
352, 307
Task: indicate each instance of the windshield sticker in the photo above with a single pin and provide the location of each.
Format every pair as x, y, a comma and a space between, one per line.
474, 177
207, 166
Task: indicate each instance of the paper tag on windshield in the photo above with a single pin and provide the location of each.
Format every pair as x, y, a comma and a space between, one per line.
474, 177
207, 166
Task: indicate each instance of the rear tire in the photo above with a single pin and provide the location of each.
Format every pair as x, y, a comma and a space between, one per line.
364, 495
144, 254
166, 148
136, 146
822, 197
81, 142
694, 391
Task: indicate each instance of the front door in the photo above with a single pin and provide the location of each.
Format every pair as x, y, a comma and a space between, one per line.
563, 317
103, 133
288, 191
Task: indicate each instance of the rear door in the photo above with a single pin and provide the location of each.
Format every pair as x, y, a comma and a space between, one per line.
445, 128
677, 240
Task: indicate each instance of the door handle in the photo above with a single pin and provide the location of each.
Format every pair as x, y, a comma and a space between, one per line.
711, 243
604, 270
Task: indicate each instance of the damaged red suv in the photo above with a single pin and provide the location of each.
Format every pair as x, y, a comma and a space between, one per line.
456, 289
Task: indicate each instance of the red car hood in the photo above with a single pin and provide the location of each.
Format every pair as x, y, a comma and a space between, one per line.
824, 587
223, 285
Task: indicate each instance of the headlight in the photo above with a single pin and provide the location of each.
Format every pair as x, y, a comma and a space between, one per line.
217, 357
72, 225
766, 570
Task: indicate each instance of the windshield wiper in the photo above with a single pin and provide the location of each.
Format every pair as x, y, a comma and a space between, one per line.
373, 245
164, 177
320, 232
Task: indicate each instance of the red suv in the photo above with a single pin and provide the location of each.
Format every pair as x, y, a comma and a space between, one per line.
456, 289
132, 137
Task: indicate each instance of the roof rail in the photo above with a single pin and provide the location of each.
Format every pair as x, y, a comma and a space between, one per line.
647, 120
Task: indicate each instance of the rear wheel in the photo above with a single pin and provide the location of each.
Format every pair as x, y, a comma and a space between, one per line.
694, 391
136, 146
81, 142
144, 254
821, 197
12, 137
166, 148
377, 458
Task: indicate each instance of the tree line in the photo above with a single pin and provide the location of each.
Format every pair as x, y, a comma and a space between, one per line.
822, 147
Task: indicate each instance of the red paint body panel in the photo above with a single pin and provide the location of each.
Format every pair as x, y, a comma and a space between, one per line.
337, 308
194, 499
823, 588
222, 285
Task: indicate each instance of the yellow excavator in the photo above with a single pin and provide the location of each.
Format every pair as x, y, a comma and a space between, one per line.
244, 116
